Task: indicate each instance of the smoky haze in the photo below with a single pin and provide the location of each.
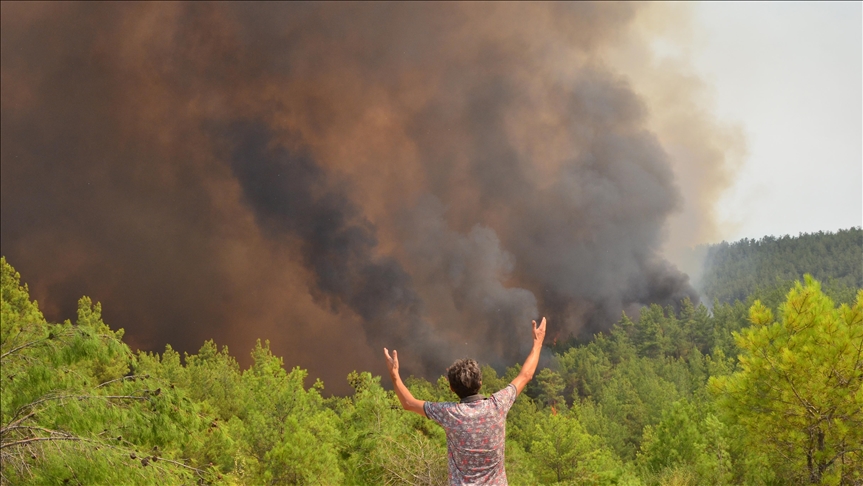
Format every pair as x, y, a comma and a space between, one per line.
334, 177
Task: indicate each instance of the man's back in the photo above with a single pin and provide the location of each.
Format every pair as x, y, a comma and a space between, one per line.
475, 434
475, 428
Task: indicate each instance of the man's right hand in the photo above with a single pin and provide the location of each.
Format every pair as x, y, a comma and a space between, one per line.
538, 333
529, 367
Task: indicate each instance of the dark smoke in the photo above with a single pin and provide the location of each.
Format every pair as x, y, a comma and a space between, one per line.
290, 196
333, 177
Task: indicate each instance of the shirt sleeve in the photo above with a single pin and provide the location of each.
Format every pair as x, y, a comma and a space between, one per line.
434, 411
505, 398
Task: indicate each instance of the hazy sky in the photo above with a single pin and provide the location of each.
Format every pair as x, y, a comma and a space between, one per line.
790, 74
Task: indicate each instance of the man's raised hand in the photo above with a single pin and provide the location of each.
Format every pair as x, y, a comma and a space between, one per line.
529, 367
407, 400
392, 362
538, 332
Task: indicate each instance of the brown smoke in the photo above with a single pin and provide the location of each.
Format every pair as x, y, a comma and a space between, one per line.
335, 177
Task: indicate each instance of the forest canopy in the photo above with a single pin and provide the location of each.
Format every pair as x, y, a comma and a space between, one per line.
735, 271
765, 387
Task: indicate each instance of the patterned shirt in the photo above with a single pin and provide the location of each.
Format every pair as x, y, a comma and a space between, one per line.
475, 437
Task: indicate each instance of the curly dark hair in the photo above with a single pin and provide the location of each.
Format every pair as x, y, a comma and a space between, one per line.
464, 377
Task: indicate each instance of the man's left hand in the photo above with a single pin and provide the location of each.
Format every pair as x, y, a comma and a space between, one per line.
392, 362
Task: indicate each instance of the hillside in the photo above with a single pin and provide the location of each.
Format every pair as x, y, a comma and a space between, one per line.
658, 400
662, 399
735, 271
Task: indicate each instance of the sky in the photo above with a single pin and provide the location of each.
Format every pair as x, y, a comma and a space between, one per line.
790, 74
340, 177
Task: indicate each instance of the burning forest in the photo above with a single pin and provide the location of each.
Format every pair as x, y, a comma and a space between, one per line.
340, 177
318, 181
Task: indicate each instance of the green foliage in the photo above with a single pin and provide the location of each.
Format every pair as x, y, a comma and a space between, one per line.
799, 389
661, 399
381, 444
566, 454
71, 410
686, 441
767, 268
288, 432
551, 388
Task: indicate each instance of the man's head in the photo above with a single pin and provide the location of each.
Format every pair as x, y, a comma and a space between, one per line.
465, 377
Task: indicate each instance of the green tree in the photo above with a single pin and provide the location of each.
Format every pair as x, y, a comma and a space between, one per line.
769, 267
697, 325
683, 441
565, 453
71, 409
290, 435
380, 444
551, 387
651, 336
674, 440
584, 369
799, 389
214, 377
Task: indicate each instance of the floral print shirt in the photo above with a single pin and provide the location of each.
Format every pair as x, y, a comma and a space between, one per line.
475, 437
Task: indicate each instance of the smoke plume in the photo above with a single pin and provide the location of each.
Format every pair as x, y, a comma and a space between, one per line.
340, 177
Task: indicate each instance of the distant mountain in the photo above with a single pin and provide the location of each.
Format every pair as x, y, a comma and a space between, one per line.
739, 270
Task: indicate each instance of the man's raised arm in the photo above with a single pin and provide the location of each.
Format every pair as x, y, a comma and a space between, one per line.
532, 360
407, 400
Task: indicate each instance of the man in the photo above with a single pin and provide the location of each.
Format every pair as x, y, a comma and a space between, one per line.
476, 426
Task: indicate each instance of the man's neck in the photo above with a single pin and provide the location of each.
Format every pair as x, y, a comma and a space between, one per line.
472, 398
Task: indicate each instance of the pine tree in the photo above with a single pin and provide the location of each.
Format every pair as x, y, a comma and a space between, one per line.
799, 390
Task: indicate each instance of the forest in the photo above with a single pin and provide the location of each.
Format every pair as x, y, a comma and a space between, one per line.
761, 386
736, 271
